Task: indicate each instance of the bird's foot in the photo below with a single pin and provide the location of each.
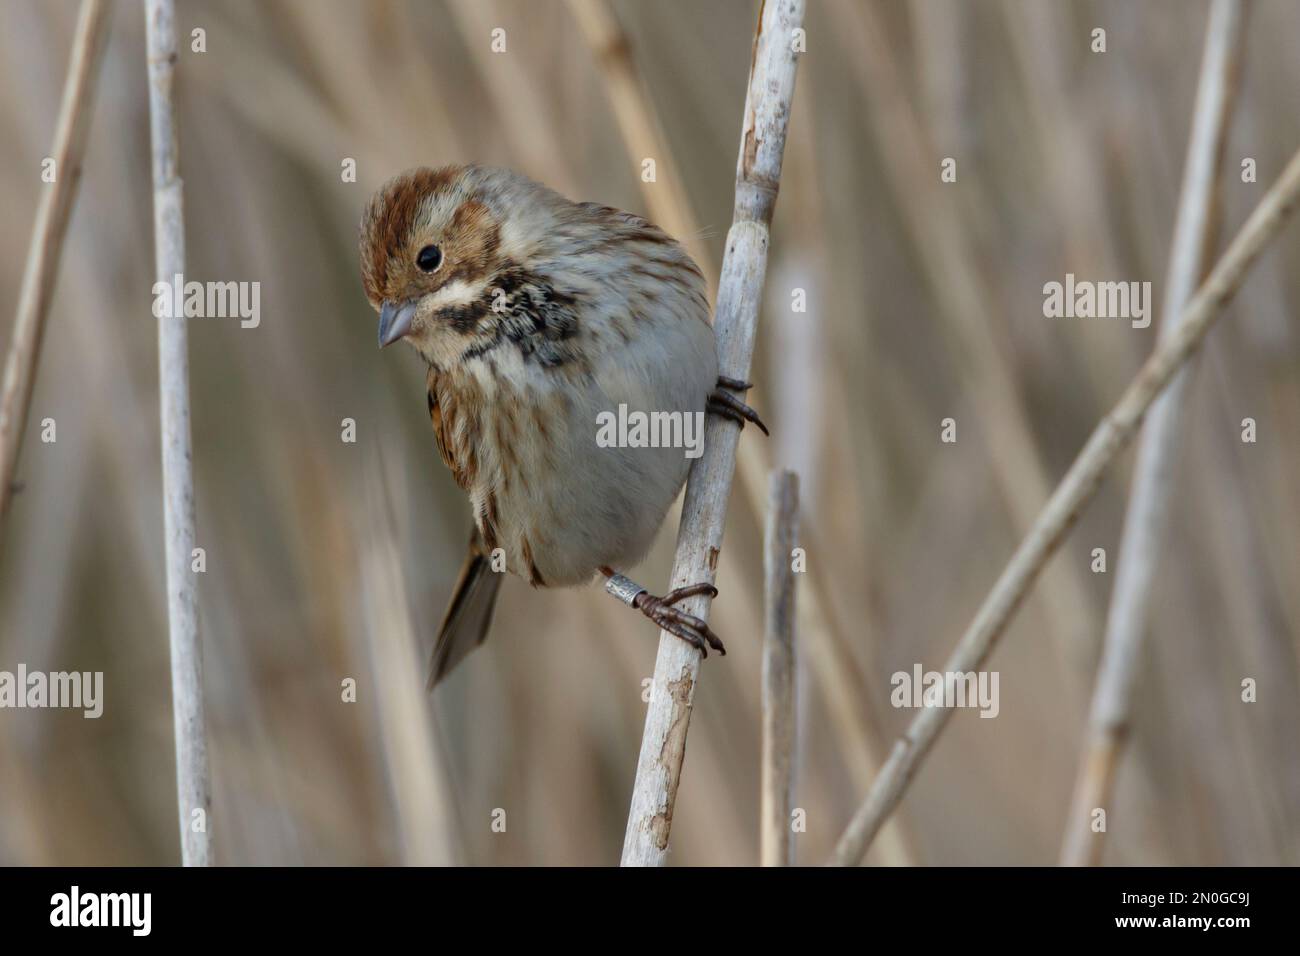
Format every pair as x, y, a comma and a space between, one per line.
661, 610
729, 406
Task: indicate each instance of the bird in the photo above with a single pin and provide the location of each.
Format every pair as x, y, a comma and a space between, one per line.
539, 318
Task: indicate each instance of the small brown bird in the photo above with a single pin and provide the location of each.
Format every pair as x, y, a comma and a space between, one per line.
543, 322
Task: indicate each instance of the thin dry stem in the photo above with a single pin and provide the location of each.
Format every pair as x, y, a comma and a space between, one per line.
669, 206
699, 541
47, 238
193, 786
832, 662
776, 838
1076, 489
1155, 475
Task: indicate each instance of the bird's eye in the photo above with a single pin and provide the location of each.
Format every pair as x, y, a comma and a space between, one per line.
430, 258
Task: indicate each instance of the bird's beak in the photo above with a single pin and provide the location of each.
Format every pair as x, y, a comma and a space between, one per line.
394, 321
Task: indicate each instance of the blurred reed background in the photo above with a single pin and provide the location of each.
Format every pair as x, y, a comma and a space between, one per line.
924, 302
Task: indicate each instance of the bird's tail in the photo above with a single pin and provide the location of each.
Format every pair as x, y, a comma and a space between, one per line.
465, 625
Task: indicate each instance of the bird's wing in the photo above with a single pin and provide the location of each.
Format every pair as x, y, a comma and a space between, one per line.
441, 419
465, 625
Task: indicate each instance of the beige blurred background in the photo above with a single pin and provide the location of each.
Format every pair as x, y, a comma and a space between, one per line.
924, 302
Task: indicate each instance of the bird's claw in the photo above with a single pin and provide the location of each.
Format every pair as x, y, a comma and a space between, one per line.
728, 406
688, 627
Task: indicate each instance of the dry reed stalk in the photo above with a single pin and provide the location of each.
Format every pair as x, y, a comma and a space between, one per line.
1156, 472
1076, 489
699, 541
47, 238
834, 665
669, 207
193, 786
776, 842
53, 212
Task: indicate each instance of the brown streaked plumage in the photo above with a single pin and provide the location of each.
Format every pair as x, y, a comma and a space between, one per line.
536, 316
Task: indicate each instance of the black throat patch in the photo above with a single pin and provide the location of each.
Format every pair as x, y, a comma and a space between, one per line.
526, 311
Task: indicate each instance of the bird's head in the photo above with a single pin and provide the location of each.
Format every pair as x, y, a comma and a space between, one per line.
433, 242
